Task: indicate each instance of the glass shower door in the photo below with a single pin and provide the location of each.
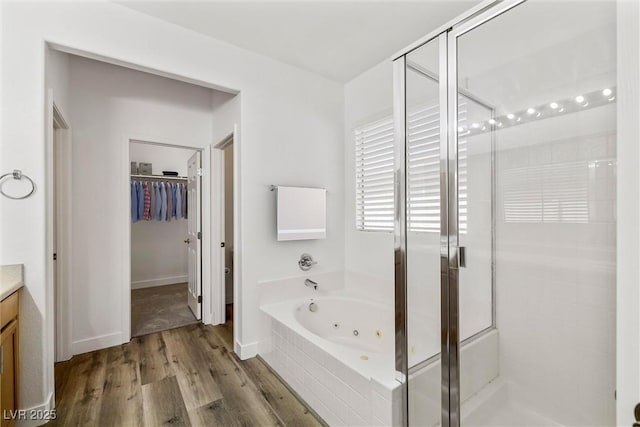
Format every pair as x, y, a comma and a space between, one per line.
419, 113
536, 168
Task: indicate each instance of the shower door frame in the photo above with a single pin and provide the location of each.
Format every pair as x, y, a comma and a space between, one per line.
447, 37
453, 390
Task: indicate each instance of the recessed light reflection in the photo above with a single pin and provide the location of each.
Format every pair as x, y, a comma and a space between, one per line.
564, 105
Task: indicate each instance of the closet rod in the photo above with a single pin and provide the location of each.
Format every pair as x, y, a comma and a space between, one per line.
165, 177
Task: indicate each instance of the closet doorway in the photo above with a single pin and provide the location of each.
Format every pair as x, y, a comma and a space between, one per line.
166, 236
225, 196
227, 152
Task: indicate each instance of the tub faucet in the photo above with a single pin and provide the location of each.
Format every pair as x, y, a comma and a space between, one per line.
311, 284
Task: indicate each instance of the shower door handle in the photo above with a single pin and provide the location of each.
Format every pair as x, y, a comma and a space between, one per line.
462, 256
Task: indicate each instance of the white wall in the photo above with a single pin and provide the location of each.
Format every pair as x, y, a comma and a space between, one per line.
57, 77
291, 133
36, 300
162, 157
158, 252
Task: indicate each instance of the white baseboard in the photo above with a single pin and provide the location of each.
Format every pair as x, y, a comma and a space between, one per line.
246, 351
159, 282
96, 343
29, 413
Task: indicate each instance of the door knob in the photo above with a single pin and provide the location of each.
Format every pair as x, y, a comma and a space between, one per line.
187, 241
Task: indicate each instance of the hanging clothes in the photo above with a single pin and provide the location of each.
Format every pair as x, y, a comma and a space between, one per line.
163, 209
134, 202
147, 202
178, 200
158, 207
140, 201
169, 200
152, 196
158, 201
184, 201
174, 188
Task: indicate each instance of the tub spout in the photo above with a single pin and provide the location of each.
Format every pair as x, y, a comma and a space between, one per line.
311, 284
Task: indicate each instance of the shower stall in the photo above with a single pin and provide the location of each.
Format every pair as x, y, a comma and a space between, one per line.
505, 228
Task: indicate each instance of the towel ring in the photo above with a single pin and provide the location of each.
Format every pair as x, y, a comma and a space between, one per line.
17, 174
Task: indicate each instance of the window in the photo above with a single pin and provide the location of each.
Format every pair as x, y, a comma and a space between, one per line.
375, 167
374, 176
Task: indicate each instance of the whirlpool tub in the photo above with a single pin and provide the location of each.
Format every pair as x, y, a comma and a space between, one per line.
337, 352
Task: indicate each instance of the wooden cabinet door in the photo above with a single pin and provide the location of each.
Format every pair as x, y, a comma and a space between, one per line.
8, 373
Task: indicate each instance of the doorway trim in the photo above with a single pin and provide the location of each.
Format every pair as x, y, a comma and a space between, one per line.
125, 238
60, 199
218, 285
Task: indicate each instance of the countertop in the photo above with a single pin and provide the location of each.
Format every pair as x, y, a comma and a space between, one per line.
11, 279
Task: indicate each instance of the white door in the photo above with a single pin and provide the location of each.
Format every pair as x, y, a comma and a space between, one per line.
194, 237
56, 217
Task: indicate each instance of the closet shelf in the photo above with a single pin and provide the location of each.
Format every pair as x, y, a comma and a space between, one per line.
160, 177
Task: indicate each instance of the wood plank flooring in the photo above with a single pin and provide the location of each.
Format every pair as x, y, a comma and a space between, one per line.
187, 376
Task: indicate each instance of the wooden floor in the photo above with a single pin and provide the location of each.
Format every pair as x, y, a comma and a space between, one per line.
180, 377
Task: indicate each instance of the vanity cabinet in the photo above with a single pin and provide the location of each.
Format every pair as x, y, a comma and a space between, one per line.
9, 359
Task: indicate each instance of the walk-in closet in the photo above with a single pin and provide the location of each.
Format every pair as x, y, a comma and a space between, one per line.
161, 260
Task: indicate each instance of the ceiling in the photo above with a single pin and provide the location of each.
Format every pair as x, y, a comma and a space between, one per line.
336, 39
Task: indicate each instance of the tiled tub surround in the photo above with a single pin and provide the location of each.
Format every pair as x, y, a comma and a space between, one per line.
324, 364
347, 381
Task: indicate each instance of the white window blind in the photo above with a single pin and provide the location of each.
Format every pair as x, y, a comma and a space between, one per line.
374, 176
555, 193
374, 173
